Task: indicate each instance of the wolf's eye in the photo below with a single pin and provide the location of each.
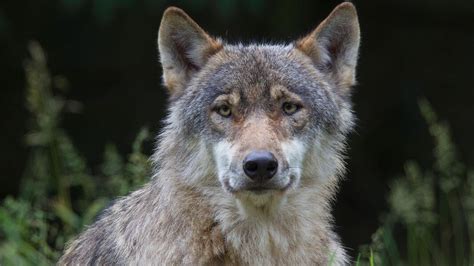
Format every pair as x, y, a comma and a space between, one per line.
224, 110
290, 108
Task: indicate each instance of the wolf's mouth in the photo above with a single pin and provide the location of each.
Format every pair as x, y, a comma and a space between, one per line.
259, 189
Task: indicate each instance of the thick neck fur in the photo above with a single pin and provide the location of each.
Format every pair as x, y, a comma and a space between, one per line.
295, 229
277, 234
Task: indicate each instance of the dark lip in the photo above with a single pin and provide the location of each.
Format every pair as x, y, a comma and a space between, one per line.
258, 189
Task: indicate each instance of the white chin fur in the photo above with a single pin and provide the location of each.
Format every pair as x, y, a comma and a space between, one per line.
252, 204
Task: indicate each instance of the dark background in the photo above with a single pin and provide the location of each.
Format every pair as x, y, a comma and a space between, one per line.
107, 50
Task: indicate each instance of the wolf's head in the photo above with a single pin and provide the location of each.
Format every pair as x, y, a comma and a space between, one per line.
260, 121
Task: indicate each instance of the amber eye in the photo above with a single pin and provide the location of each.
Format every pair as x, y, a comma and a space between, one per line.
224, 110
290, 108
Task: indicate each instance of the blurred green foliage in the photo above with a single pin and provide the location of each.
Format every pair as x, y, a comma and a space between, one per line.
430, 219
60, 194
431, 213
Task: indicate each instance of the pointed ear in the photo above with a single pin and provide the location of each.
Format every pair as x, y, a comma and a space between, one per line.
184, 49
334, 45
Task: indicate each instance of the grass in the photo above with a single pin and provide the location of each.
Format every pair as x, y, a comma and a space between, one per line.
430, 220
60, 193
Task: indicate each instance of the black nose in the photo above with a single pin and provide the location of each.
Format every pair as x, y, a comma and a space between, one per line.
260, 166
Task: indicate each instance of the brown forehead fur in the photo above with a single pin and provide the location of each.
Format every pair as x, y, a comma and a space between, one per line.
279, 92
259, 133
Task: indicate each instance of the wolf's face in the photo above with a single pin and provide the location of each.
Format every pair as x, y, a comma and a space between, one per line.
258, 118
270, 116
260, 108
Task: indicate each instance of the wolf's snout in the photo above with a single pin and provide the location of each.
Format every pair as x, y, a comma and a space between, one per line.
260, 166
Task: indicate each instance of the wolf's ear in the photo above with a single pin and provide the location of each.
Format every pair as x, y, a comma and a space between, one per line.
184, 48
334, 45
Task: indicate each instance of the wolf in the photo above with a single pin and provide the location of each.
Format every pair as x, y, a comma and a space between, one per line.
248, 162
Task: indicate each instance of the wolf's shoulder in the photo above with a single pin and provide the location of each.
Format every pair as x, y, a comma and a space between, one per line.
154, 223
